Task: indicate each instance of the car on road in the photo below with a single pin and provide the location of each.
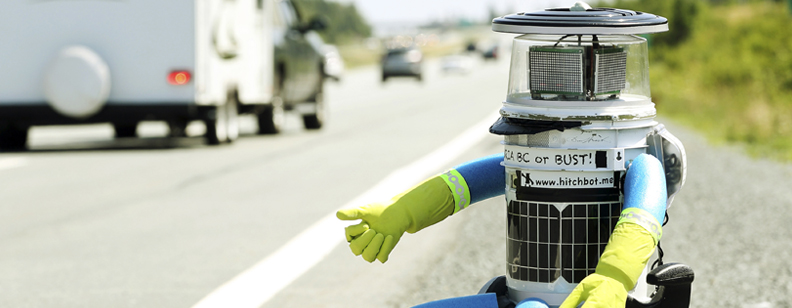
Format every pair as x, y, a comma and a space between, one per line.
298, 69
458, 63
490, 52
404, 61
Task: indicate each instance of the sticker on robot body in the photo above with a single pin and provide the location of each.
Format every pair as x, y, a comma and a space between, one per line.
549, 179
530, 157
590, 139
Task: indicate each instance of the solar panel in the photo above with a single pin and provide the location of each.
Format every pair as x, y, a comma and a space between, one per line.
545, 244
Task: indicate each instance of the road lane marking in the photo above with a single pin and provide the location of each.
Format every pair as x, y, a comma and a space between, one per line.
13, 162
258, 284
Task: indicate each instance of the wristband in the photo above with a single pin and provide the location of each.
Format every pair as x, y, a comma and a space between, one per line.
459, 189
644, 219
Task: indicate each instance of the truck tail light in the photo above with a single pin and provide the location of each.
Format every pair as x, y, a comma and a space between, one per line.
179, 78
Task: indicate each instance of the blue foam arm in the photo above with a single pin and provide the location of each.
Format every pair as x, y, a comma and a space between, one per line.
486, 177
645, 186
486, 300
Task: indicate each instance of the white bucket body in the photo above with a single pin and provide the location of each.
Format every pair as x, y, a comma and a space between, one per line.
563, 201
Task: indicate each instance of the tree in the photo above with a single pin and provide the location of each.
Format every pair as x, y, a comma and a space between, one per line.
681, 15
344, 22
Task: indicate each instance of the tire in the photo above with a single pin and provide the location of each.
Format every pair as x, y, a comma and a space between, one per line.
232, 118
223, 125
125, 130
177, 128
13, 137
216, 127
270, 121
316, 120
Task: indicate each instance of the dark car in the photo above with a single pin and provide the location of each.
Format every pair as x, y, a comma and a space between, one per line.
491, 53
299, 73
406, 61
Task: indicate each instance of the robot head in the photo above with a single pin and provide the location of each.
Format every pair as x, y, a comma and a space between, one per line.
580, 57
579, 68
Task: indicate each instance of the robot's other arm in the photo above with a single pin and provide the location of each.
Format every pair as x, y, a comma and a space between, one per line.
484, 300
645, 191
633, 240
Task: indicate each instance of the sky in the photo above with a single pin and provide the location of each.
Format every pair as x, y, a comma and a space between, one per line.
383, 12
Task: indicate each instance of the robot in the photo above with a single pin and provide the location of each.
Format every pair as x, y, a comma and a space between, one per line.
587, 173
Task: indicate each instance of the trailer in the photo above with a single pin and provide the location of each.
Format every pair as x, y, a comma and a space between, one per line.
123, 62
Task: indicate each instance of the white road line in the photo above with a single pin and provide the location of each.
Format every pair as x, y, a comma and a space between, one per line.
13, 162
258, 284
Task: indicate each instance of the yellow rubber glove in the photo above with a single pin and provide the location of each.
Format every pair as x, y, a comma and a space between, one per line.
619, 267
384, 223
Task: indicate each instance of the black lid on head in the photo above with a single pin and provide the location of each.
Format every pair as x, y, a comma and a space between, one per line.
578, 21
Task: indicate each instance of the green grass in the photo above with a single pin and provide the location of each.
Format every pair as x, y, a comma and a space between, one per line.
358, 54
732, 79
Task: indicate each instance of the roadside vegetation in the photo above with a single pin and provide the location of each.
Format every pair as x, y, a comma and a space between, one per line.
725, 69
346, 28
352, 34
344, 22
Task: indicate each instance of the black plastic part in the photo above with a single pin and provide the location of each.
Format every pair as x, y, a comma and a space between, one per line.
498, 286
673, 281
596, 17
564, 195
671, 274
512, 126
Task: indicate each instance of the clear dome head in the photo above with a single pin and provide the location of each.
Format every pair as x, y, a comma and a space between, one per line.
593, 68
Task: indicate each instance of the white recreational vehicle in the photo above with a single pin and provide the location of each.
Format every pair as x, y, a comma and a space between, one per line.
126, 61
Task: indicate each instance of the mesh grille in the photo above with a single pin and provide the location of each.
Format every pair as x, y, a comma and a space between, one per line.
541, 140
556, 71
545, 244
538, 140
610, 71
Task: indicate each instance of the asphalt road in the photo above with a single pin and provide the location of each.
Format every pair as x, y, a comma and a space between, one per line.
87, 221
